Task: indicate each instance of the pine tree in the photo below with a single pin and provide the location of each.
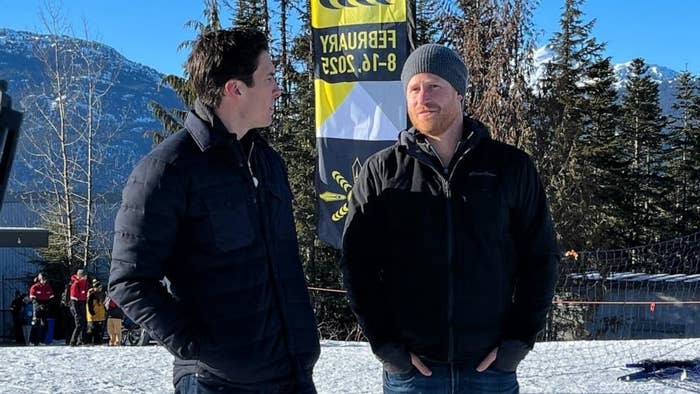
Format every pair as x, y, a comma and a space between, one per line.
252, 13
603, 166
642, 126
685, 155
561, 122
429, 15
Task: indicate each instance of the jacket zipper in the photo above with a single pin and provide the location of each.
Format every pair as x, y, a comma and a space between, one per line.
450, 270
450, 256
445, 183
446, 180
265, 221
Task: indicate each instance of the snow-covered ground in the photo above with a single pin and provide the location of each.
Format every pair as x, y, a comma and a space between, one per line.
344, 367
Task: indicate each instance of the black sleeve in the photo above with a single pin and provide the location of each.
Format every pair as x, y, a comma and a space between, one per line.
361, 264
538, 256
153, 203
91, 309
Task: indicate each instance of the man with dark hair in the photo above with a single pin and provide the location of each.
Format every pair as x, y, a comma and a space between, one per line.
210, 209
449, 253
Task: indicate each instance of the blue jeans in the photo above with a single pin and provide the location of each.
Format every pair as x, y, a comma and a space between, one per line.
451, 379
208, 384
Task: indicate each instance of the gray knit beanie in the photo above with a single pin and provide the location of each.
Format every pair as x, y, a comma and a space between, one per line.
439, 60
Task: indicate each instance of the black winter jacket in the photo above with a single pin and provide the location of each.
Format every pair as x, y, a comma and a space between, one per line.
239, 307
449, 263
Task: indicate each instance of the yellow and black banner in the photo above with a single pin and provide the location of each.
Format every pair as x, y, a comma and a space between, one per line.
359, 48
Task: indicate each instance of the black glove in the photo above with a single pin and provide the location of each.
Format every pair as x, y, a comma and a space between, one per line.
510, 353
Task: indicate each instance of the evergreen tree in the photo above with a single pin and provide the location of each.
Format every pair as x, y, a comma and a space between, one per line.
685, 155
603, 166
429, 15
561, 123
253, 13
641, 128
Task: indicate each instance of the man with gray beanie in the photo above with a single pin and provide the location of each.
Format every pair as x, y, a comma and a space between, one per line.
449, 252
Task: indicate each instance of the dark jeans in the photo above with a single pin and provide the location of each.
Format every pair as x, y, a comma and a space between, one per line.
38, 333
77, 309
206, 384
17, 330
451, 379
97, 332
39, 323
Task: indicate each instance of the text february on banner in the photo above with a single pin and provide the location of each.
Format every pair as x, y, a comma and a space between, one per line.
359, 47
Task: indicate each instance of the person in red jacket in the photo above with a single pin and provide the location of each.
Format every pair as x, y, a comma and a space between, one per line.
78, 295
40, 294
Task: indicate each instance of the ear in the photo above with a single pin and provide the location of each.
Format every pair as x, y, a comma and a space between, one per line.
232, 87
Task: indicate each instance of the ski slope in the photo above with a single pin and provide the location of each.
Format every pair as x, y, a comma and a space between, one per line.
344, 367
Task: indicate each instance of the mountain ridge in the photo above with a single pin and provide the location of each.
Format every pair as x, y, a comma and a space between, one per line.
664, 76
125, 106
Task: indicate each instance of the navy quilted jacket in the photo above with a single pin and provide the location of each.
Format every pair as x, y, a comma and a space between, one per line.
239, 307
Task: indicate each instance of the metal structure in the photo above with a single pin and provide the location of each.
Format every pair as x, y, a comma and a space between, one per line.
10, 122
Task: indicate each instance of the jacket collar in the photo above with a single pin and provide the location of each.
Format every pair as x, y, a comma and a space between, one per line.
207, 130
205, 127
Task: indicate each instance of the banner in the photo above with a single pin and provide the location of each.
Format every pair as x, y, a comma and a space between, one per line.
359, 48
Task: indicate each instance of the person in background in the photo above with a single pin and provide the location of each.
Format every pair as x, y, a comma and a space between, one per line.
40, 293
67, 322
27, 317
96, 313
78, 298
114, 322
16, 309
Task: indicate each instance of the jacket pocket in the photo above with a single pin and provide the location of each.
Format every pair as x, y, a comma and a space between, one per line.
230, 221
484, 210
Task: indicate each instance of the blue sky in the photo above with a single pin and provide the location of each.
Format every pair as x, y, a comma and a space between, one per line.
665, 32
149, 31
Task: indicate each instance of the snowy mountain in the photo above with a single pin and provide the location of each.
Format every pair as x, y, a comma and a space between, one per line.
125, 106
664, 76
